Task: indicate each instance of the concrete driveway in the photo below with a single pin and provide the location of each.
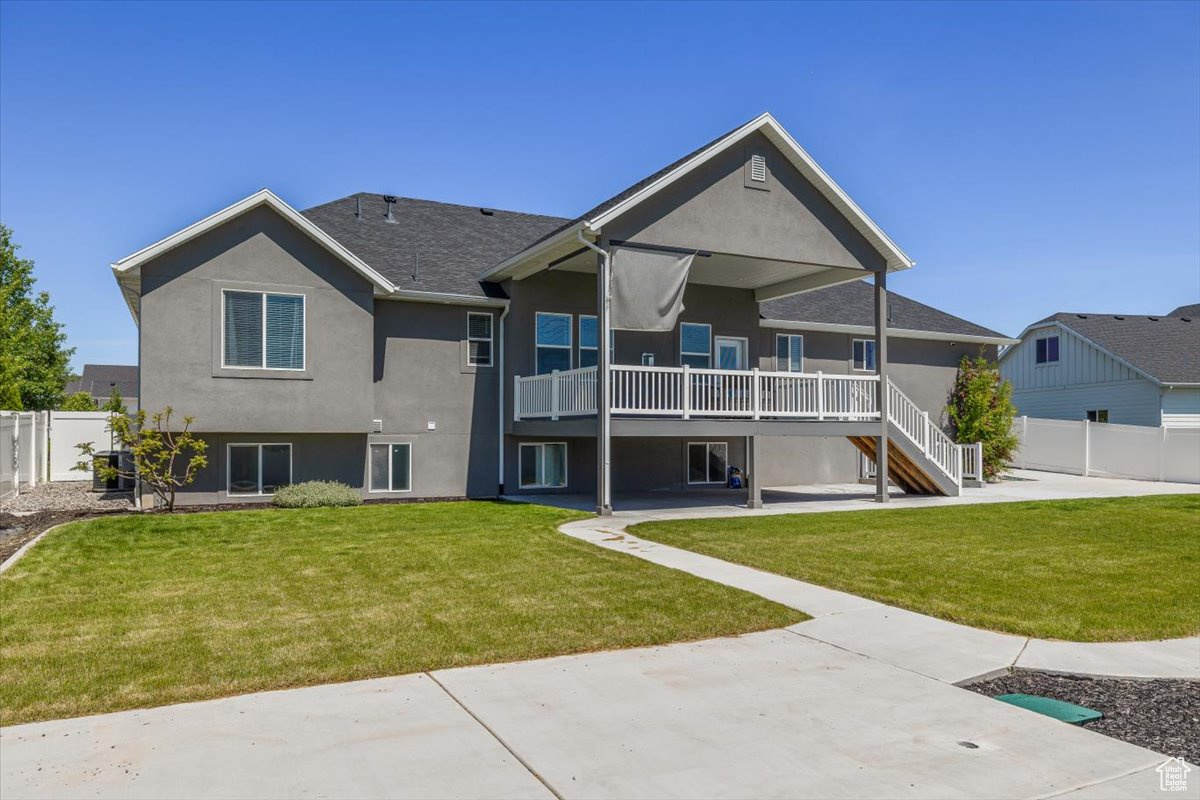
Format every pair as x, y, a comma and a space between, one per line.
771, 714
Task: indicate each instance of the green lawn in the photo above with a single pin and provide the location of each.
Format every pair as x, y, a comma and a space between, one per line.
139, 611
1080, 570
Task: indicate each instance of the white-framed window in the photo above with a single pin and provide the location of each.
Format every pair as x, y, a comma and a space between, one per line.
262, 330
389, 467
707, 462
789, 352
479, 339
1046, 350
589, 341
1098, 415
695, 344
257, 468
543, 465
647, 359
553, 341
864, 355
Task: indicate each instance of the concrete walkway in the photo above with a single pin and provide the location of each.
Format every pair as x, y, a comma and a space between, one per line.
772, 714
932, 647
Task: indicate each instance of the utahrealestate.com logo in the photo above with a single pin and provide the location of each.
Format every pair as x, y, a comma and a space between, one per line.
1172, 775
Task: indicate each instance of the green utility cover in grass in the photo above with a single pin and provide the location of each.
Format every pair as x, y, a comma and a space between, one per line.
1066, 712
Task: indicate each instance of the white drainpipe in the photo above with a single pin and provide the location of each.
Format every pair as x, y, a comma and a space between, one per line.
502, 384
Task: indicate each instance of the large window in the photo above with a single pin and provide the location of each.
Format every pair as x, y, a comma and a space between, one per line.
553, 332
479, 339
707, 462
263, 330
391, 467
695, 344
1046, 350
789, 352
258, 468
864, 355
544, 465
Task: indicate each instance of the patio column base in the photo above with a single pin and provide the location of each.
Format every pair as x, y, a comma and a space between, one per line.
754, 504
603, 511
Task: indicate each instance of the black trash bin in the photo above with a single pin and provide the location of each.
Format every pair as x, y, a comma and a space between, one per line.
106, 458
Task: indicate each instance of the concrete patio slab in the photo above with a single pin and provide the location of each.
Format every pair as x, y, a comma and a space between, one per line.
776, 715
393, 737
1132, 785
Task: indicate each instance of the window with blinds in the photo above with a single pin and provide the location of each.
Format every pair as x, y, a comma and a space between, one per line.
789, 352
553, 342
479, 339
263, 330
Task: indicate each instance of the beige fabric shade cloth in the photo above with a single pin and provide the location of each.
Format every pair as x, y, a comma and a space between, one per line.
647, 289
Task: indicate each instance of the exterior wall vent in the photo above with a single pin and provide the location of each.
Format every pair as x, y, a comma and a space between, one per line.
758, 168
376, 426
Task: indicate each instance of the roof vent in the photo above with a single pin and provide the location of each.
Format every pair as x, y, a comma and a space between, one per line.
487, 212
1117, 316
1152, 319
758, 167
1082, 316
391, 201
358, 208
1186, 319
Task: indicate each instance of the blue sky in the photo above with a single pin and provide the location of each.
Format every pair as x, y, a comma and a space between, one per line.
1031, 157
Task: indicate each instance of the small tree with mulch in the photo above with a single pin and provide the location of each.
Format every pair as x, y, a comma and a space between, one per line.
981, 410
154, 450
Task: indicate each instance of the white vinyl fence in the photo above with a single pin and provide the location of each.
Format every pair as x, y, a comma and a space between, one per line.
70, 428
1080, 447
37, 446
23, 451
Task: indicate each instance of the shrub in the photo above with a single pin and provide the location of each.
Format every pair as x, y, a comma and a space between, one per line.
982, 410
80, 401
315, 494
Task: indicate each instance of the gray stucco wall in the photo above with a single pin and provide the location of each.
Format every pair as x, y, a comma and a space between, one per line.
712, 208
421, 377
180, 332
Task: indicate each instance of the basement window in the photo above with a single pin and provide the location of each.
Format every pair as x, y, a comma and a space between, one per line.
391, 467
543, 465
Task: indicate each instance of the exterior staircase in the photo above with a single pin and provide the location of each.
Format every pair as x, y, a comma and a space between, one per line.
922, 459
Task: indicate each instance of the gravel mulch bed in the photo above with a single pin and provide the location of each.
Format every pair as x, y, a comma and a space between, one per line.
68, 496
1162, 715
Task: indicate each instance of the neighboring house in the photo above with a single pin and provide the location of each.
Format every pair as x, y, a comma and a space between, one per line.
418, 349
1118, 368
99, 380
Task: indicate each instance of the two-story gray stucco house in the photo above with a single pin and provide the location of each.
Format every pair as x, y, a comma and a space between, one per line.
1119, 368
418, 349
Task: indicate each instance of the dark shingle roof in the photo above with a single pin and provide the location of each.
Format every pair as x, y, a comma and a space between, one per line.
98, 380
431, 247
1166, 348
854, 304
1186, 311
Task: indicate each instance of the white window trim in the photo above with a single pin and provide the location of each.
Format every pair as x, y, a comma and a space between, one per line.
490, 339
582, 346
683, 352
864, 368
259, 445
687, 471
1048, 362
389, 490
263, 293
745, 351
569, 346
790, 336
647, 359
541, 484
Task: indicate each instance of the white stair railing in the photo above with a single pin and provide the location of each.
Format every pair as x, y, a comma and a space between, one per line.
916, 426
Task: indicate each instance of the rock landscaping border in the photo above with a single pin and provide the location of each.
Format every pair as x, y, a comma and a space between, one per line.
1162, 715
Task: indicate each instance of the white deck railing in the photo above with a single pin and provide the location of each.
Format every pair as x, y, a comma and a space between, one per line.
687, 392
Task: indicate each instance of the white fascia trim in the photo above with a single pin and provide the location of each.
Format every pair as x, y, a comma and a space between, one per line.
899, 333
130, 265
896, 258
1069, 330
445, 298
506, 269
